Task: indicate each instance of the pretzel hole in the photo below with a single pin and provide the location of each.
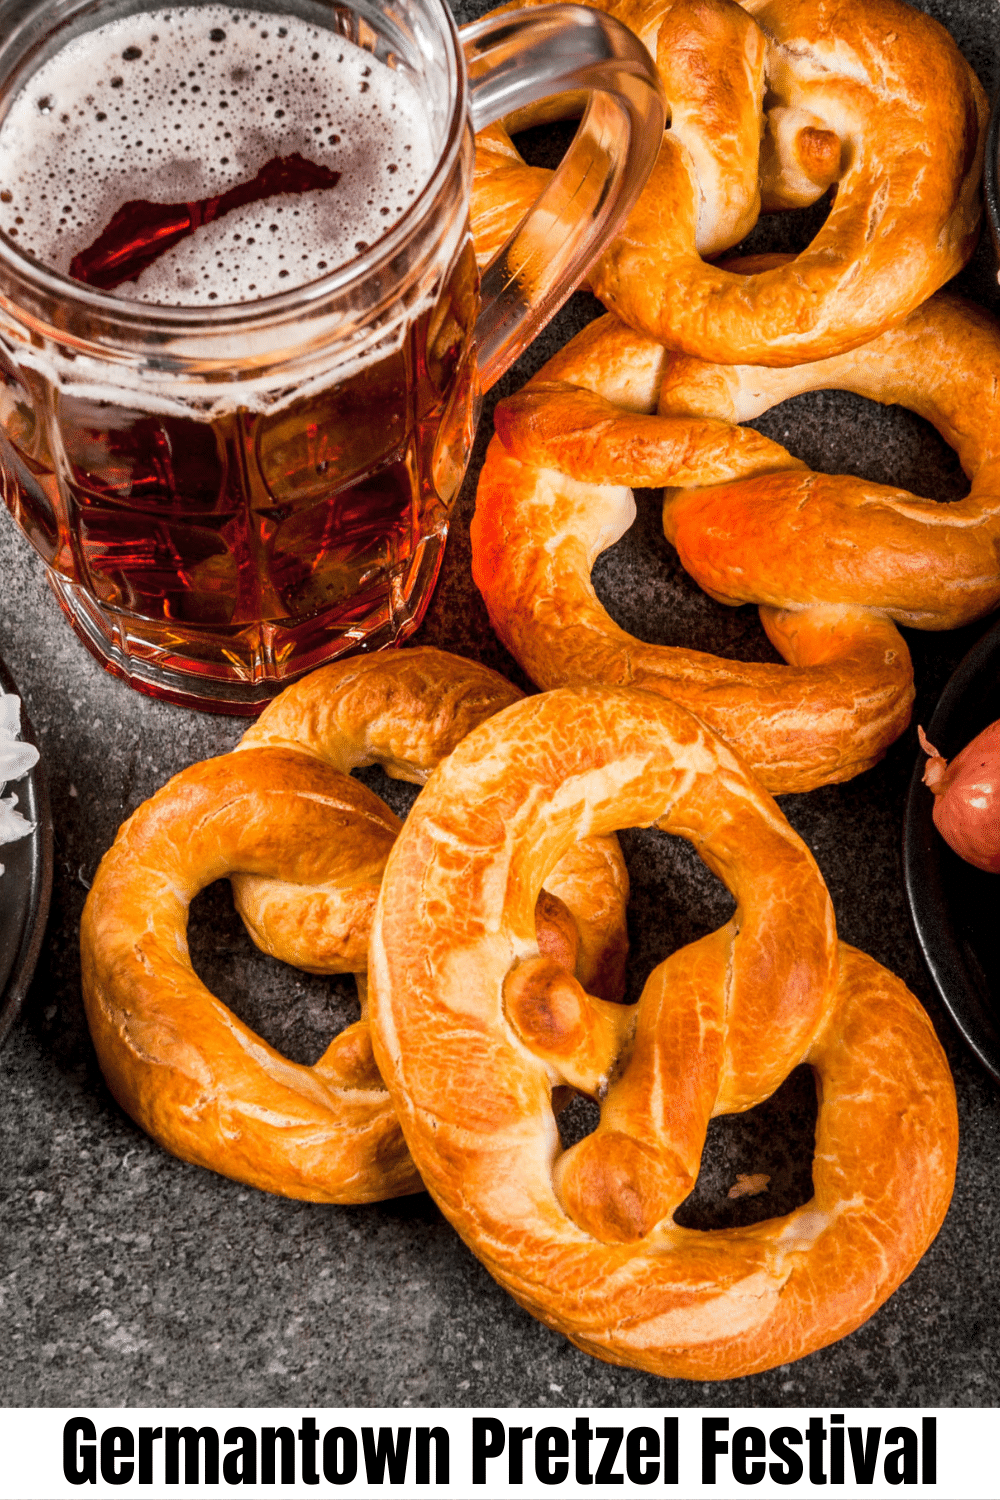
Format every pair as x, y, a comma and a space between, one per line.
839, 432
786, 231
645, 590
675, 899
580, 1118
546, 145
296, 1013
776, 1140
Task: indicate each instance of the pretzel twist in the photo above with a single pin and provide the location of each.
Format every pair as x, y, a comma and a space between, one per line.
585, 1238
832, 561
771, 105
305, 844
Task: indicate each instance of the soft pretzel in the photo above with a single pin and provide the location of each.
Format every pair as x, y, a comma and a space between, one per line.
771, 104
585, 1239
305, 844
831, 561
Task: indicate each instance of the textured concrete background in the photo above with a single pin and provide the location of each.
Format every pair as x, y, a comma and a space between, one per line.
127, 1277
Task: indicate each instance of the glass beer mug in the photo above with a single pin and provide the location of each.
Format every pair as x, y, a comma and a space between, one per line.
229, 496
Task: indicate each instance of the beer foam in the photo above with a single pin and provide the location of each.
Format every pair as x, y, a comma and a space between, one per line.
180, 105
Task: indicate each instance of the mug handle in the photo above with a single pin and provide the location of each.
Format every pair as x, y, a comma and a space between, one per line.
515, 59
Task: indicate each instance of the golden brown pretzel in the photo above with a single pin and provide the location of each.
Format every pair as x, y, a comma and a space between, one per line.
831, 561
771, 103
306, 844
585, 1239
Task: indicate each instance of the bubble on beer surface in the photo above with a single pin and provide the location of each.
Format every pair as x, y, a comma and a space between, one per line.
181, 105
261, 249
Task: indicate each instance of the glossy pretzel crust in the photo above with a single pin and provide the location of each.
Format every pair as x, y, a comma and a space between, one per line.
305, 844
833, 562
772, 104
473, 1031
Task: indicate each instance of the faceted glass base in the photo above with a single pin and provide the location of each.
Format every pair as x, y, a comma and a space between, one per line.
238, 670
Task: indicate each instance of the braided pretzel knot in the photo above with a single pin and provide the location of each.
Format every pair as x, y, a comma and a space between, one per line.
305, 844
585, 1239
831, 561
886, 111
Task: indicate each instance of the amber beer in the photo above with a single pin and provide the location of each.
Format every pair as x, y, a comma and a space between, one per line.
242, 333
241, 537
280, 528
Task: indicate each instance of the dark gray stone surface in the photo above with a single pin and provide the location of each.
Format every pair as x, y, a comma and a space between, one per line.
127, 1277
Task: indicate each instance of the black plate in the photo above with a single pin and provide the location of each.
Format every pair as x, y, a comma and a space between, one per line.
992, 173
954, 905
25, 885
